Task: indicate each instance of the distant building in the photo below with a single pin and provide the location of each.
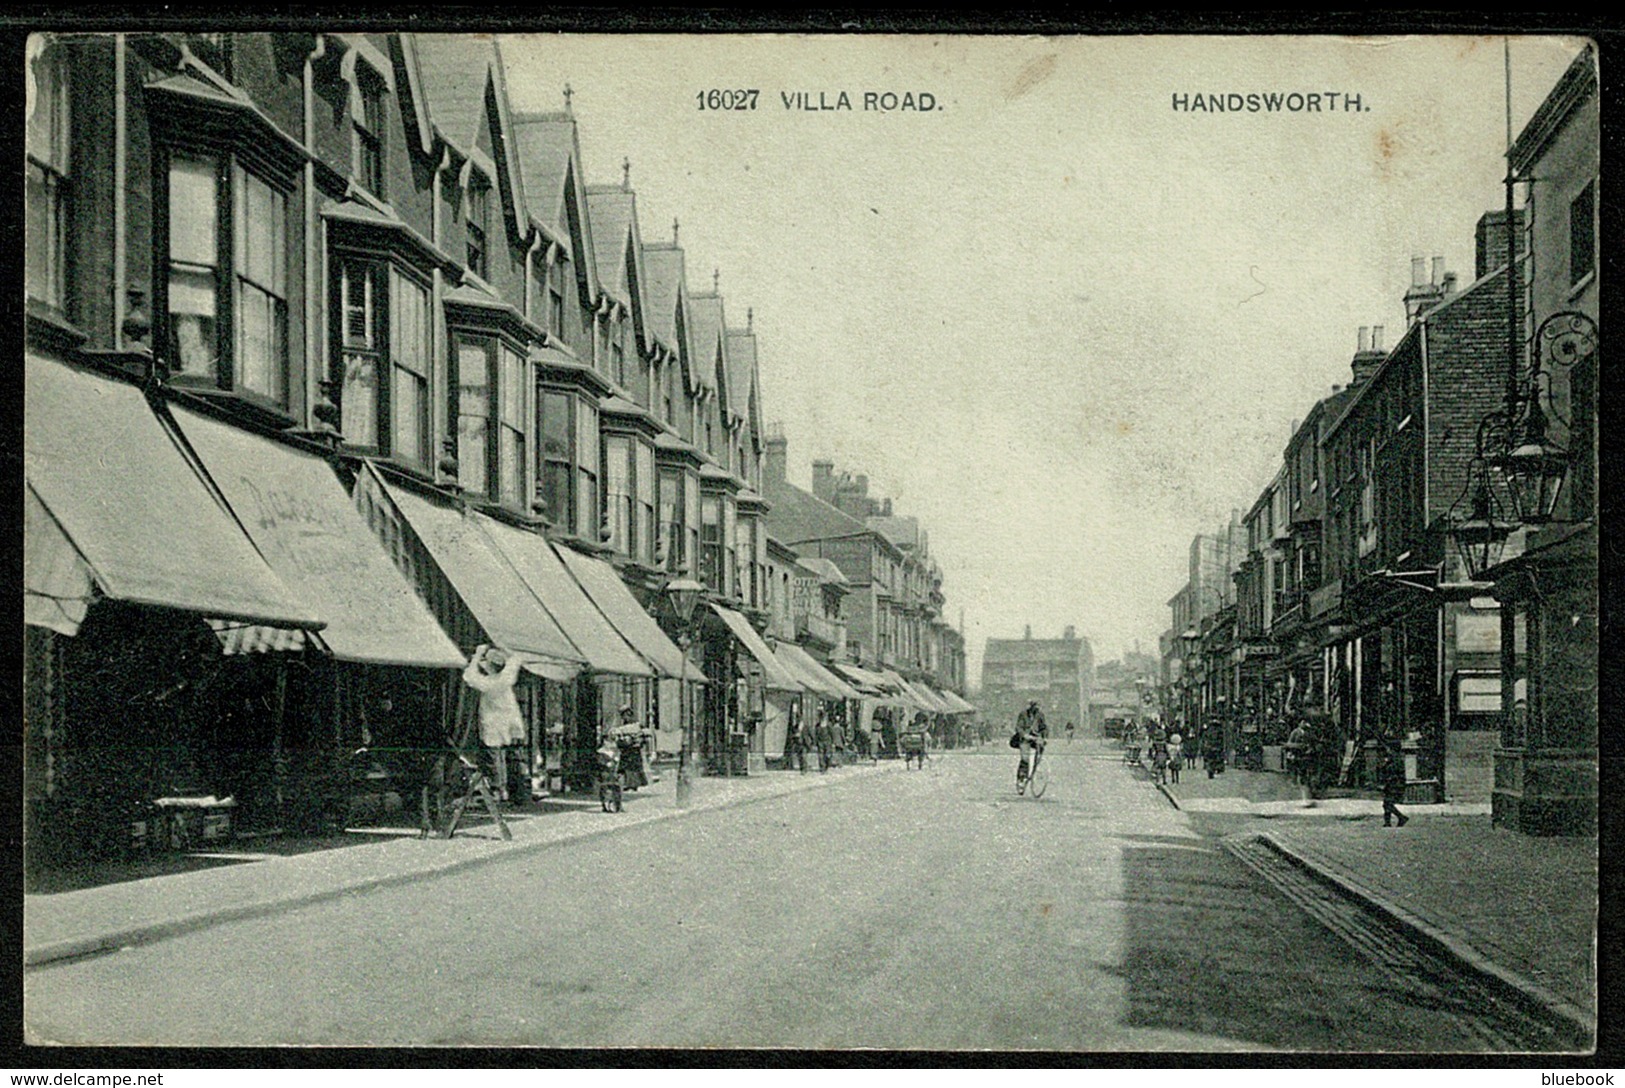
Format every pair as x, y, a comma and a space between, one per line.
1058, 672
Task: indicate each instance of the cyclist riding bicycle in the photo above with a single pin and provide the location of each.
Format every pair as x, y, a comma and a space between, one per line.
1031, 733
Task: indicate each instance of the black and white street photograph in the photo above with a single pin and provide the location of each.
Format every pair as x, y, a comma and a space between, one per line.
811, 544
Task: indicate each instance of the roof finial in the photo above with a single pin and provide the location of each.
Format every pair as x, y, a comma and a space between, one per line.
674, 230
750, 317
626, 173
568, 94
716, 280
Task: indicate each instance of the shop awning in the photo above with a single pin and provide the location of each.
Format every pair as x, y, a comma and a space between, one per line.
868, 683
306, 526
603, 647
136, 513
825, 681
57, 586
957, 702
776, 675
938, 703
910, 696
812, 684
616, 602
492, 590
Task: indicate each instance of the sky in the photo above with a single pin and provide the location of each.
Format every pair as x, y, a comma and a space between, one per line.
1064, 323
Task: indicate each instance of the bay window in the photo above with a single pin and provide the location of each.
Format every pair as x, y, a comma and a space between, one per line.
513, 489
644, 483
691, 514
472, 361
568, 462
382, 350
587, 452
711, 543
618, 491
226, 284
556, 468
673, 527
47, 188
730, 547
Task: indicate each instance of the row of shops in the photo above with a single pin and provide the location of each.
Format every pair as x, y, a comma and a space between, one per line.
258, 629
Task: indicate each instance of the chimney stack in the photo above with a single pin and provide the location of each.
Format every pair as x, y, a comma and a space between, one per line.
1028, 633
774, 455
823, 480
1424, 294
1368, 358
1490, 240
1071, 633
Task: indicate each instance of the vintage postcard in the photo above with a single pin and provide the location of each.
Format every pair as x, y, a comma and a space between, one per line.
777, 542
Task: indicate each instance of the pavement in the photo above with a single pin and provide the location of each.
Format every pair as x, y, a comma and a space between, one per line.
109, 906
1518, 908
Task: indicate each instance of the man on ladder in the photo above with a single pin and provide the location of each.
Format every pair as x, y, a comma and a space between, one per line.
492, 673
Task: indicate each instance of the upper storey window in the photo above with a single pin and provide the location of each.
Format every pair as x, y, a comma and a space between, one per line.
47, 195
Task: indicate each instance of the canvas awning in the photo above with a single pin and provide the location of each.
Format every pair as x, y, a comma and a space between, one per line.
868, 683
828, 682
616, 602
812, 684
957, 702
303, 522
489, 587
777, 676
111, 480
910, 696
599, 642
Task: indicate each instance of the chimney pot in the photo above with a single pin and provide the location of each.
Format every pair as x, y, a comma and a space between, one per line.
1419, 271
1364, 343
1438, 269
1449, 283
1376, 338
1028, 634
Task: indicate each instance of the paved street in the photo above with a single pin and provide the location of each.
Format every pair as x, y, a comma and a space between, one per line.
905, 910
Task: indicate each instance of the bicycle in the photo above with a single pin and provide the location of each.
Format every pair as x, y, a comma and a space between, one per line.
1034, 779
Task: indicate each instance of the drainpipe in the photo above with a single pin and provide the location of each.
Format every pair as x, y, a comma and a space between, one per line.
438, 321
315, 252
530, 271
121, 303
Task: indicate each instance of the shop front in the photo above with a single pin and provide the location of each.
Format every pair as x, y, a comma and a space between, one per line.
126, 559
739, 711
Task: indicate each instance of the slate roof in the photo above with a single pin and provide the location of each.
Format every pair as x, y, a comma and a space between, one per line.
799, 515
609, 217
902, 531
741, 370
454, 68
663, 269
547, 148
705, 316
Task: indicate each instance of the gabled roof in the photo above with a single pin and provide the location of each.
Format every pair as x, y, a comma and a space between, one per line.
455, 70
742, 375
798, 516
416, 105
549, 150
463, 82
705, 329
664, 291
609, 214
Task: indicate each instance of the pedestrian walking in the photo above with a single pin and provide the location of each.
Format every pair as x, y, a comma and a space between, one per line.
1392, 772
1176, 755
825, 739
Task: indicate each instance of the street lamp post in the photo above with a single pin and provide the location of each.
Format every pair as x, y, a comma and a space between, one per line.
685, 595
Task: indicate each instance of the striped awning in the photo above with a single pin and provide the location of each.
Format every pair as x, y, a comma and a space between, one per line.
253, 638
